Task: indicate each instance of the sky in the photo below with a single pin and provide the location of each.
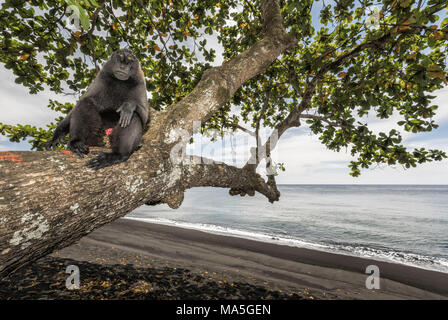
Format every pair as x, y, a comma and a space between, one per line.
306, 160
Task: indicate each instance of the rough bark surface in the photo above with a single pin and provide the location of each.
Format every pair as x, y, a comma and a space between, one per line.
50, 199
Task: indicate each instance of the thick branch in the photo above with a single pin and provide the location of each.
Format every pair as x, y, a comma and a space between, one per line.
200, 172
219, 84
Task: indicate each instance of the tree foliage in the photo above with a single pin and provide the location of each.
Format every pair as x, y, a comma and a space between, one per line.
341, 69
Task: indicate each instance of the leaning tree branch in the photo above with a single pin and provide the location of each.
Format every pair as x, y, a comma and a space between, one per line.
321, 118
49, 199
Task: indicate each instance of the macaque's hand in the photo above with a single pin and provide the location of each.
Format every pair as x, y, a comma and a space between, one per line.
126, 111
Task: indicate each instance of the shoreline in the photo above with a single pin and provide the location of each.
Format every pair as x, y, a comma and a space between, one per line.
266, 238
282, 267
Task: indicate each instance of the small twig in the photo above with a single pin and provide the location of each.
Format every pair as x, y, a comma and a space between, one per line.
293, 81
89, 34
252, 9
158, 32
118, 20
321, 118
262, 112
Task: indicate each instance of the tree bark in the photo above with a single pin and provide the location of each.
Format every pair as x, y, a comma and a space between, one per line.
50, 199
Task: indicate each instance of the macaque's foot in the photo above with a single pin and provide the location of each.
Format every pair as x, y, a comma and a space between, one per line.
106, 159
53, 143
78, 148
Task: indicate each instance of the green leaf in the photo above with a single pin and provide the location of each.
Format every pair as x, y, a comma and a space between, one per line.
405, 3
84, 17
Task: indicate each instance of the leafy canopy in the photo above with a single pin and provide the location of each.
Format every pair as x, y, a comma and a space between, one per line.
352, 59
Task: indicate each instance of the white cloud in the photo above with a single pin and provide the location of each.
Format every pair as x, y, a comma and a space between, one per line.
18, 106
385, 125
308, 161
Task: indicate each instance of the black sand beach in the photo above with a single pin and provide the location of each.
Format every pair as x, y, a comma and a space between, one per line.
130, 259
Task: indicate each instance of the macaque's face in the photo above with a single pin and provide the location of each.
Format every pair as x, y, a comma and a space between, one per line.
124, 64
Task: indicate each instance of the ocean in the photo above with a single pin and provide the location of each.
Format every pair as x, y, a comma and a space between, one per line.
405, 224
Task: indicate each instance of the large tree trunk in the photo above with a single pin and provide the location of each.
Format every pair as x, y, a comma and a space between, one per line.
49, 199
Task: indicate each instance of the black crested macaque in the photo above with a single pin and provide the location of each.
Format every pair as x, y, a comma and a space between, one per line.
116, 99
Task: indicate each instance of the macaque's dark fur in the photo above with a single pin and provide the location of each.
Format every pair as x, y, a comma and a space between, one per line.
116, 99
